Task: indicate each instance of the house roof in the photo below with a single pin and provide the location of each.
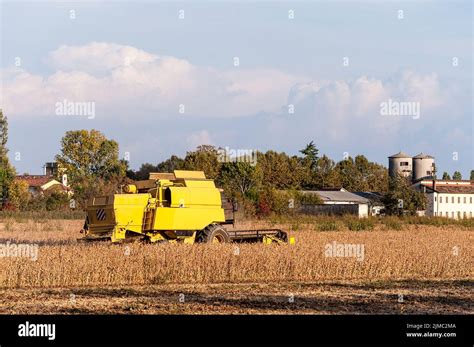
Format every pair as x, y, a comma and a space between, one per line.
373, 197
338, 195
35, 180
451, 187
400, 155
38, 181
423, 156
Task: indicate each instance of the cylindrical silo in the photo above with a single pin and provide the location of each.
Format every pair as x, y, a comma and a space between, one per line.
400, 163
423, 166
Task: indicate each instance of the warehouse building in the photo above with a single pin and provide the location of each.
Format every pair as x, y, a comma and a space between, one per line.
337, 201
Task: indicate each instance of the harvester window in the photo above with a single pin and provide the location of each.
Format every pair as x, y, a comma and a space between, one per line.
167, 195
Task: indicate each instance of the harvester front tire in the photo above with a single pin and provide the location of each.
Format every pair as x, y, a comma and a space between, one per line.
214, 233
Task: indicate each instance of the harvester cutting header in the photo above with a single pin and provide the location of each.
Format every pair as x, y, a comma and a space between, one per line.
183, 206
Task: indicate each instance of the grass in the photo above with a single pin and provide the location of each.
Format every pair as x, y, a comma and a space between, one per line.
24, 216
392, 223
327, 226
359, 224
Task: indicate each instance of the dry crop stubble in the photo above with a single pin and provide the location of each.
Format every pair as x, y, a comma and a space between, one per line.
417, 252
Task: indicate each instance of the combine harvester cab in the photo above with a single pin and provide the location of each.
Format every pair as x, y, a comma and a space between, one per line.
180, 207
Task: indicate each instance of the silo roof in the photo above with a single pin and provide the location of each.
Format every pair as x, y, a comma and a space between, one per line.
400, 155
423, 156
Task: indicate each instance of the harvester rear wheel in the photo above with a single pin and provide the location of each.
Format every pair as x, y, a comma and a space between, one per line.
213, 233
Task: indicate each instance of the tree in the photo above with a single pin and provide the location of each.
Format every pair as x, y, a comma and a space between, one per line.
18, 194
171, 164
239, 179
457, 175
349, 174
7, 173
400, 189
281, 171
204, 158
326, 176
472, 175
310, 153
143, 173
89, 154
377, 178
446, 176
92, 163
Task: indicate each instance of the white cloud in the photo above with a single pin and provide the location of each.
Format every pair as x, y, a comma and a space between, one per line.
97, 57
119, 78
125, 82
341, 107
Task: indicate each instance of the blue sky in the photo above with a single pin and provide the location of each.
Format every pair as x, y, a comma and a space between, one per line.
138, 61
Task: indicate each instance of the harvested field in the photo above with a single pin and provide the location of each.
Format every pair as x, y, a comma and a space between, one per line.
431, 267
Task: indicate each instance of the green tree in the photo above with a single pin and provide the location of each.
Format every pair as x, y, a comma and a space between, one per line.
171, 164
239, 179
360, 174
446, 176
400, 189
204, 158
57, 201
142, 173
7, 172
281, 171
457, 175
472, 175
349, 175
326, 176
377, 178
310, 153
89, 154
18, 194
91, 162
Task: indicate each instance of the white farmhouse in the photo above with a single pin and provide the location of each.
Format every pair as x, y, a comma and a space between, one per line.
450, 199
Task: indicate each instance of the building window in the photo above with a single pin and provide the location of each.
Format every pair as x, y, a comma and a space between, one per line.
404, 163
470, 214
435, 198
459, 199
452, 214
447, 214
470, 200
440, 199
435, 214
452, 199
428, 173
464, 200
459, 214
464, 215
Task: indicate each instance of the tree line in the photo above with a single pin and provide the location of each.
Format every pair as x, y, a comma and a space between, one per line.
93, 166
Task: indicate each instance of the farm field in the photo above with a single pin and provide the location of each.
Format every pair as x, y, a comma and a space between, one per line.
414, 269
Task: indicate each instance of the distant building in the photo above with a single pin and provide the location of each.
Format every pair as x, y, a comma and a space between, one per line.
337, 201
40, 184
376, 206
450, 199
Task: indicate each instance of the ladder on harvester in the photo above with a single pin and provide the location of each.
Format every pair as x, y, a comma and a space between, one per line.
147, 223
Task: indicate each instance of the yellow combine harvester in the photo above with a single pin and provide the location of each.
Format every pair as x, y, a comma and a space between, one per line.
182, 206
